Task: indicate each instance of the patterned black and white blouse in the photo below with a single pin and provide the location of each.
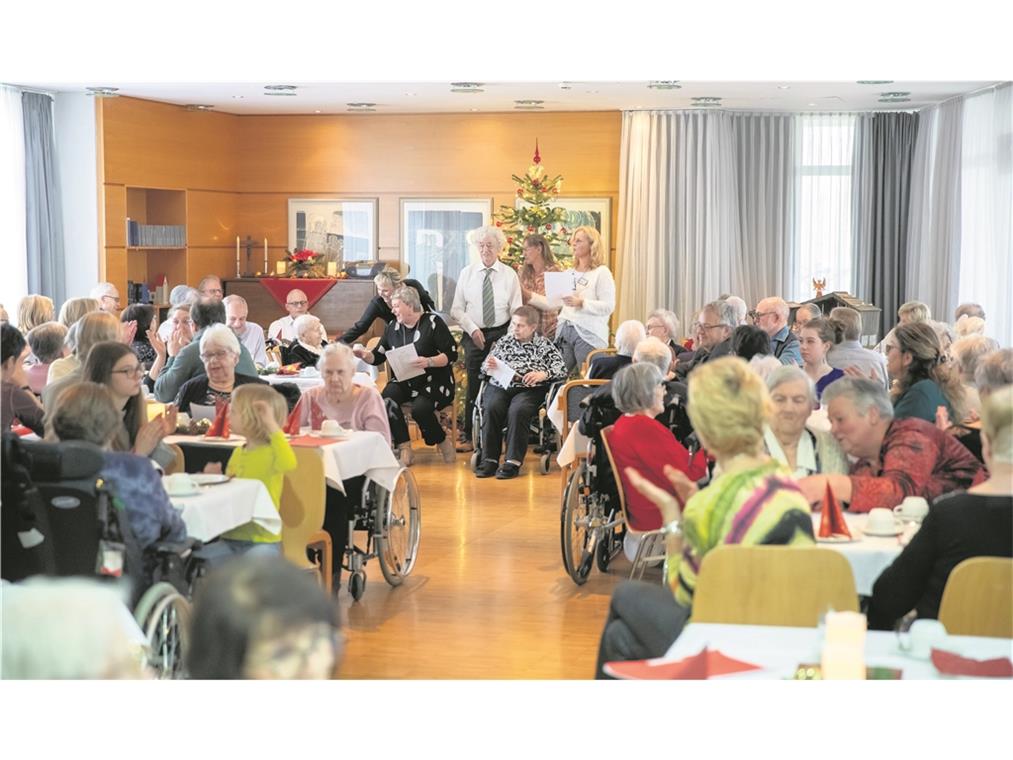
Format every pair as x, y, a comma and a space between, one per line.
431, 337
536, 355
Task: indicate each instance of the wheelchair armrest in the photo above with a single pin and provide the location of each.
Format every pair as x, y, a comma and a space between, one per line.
177, 548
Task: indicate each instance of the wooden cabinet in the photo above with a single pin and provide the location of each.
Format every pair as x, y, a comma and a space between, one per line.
154, 233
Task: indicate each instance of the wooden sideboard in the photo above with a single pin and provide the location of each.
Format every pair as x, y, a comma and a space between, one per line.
339, 308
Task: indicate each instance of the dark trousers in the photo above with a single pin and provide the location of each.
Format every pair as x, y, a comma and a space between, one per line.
341, 507
473, 358
513, 409
644, 619
423, 412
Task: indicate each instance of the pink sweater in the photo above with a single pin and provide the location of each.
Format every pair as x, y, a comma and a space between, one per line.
364, 411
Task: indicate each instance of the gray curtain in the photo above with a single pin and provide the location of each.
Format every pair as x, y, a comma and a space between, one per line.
881, 190
44, 221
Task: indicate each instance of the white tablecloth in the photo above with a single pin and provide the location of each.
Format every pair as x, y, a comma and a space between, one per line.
868, 555
780, 650
220, 508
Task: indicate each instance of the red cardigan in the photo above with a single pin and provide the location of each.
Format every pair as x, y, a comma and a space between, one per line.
644, 443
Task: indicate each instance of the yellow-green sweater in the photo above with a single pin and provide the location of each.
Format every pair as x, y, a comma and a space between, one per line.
268, 464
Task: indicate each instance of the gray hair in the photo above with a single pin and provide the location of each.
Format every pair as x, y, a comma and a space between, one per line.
66, 628
235, 299
849, 320
46, 341
741, 309
628, 335
410, 296
476, 236
789, 373
776, 304
103, 289
221, 336
338, 349
864, 394
654, 351
969, 310
389, 277
633, 387
183, 294
812, 309
304, 323
724, 311
916, 310
968, 352
671, 321
994, 371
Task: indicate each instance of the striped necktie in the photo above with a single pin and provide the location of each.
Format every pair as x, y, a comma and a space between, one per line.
488, 301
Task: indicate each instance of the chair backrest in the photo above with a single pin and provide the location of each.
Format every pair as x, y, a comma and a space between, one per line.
606, 432
978, 598
772, 585
302, 504
178, 463
568, 400
608, 351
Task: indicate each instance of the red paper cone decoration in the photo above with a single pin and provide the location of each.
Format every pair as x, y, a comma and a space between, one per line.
316, 415
832, 521
292, 426
220, 427
537, 159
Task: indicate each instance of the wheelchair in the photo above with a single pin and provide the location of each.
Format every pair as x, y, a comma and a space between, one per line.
60, 519
540, 432
392, 521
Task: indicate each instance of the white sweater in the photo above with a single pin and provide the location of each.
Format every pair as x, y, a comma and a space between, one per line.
591, 320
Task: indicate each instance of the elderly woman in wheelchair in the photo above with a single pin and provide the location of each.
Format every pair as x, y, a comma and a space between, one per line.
521, 365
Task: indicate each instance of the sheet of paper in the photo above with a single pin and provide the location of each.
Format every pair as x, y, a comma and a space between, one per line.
201, 412
559, 284
503, 374
400, 360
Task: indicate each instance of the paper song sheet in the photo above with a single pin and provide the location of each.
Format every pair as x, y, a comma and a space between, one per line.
559, 284
400, 360
503, 374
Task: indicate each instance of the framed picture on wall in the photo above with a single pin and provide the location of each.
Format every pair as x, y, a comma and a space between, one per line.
590, 212
343, 229
434, 241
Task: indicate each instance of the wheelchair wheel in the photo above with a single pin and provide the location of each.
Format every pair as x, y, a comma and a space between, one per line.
608, 549
357, 584
476, 460
399, 522
573, 528
164, 616
544, 463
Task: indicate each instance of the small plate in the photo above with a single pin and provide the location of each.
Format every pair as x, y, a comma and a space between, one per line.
888, 534
194, 492
209, 478
836, 540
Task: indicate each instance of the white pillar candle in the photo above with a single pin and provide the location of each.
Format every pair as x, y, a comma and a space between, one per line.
280, 267
237, 255
845, 628
332, 269
842, 662
265, 255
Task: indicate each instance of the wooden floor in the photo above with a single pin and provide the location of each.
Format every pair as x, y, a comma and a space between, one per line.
488, 597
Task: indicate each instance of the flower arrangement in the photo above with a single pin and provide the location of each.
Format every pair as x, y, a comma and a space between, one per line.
305, 263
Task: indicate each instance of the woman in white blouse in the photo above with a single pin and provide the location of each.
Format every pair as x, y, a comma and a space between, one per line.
584, 319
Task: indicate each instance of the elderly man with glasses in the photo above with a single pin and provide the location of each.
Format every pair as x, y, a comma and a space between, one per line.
108, 298
713, 333
772, 318
211, 287
283, 329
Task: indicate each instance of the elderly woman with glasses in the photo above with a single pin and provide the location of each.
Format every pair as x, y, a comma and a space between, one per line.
219, 353
387, 281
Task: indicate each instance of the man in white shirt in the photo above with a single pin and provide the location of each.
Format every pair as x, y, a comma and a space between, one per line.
250, 335
487, 295
296, 304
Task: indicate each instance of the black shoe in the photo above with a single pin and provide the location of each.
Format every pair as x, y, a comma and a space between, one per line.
487, 469
507, 471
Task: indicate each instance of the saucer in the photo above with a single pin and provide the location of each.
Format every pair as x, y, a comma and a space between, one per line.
209, 478
836, 540
895, 531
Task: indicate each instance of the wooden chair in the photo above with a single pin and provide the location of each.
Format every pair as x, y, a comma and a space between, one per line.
607, 351
302, 515
978, 598
178, 463
772, 585
568, 401
651, 547
381, 378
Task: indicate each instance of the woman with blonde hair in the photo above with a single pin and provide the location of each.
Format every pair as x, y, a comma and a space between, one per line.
538, 260
387, 282
94, 327
584, 319
75, 308
923, 379
33, 311
753, 501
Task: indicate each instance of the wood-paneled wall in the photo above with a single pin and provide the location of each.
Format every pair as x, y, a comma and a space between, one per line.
241, 170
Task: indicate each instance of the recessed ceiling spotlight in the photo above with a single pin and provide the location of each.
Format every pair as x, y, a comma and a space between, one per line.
894, 94
361, 110
103, 92
316, 112
281, 94
410, 94
784, 87
874, 81
197, 107
238, 97
665, 84
565, 86
280, 87
705, 105
703, 100
895, 100
812, 105
473, 110
529, 102
360, 105
466, 87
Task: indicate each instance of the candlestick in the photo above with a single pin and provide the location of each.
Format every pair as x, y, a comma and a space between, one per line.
237, 255
265, 255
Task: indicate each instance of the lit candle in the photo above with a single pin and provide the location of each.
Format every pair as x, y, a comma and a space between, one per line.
237, 255
265, 255
332, 269
280, 267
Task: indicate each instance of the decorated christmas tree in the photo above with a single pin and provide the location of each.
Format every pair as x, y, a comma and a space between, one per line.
535, 215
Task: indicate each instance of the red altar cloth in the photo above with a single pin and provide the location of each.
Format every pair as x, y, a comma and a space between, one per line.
314, 289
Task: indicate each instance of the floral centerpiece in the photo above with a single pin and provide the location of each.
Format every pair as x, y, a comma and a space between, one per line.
305, 263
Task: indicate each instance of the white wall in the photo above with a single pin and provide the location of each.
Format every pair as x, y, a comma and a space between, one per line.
77, 165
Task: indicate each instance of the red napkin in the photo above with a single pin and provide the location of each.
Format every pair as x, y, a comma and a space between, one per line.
832, 522
220, 427
292, 426
951, 664
705, 664
317, 415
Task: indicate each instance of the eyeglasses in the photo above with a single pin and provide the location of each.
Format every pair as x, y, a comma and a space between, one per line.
703, 326
114, 299
134, 371
296, 303
759, 314
214, 355
213, 291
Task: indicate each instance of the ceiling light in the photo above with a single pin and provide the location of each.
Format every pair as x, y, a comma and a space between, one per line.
316, 112
591, 92
705, 105
784, 87
237, 97
360, 105
666, 84
103, 92
704, 100
529, 102
895, 100
197, 107
874, 81
464, 90
565, 86
812, 105
410, 94
361, 110
473, 109
280, 87
466, 87
529, 108
894, 94
281, 94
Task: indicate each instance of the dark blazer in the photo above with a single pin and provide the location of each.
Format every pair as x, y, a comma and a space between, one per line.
297, 353
683, 368
377, 308
605, 367
957, 527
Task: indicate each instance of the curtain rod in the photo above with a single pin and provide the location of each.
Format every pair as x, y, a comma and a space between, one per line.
22, 88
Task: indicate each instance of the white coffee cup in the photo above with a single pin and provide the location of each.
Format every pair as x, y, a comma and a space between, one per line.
182, 418
881, 520
179, 484
922, 637
330, 427
913, 508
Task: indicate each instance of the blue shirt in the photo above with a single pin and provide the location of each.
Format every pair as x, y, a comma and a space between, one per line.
137, 488
792, 353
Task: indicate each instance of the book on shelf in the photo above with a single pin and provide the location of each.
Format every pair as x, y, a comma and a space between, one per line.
155, 235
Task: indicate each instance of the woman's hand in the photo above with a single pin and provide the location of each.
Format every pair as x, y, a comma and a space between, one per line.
856, 372
170, 419
149, 436
179, 338
534, 378
129, 331
266, 414
813, 487
943, 418
669, 504
491, 363
213, 468
574, 301
155, 340
421, 362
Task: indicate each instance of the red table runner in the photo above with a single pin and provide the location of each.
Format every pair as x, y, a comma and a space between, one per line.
314, 289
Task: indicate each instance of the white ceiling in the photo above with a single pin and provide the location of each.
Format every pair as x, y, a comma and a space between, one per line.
436, 97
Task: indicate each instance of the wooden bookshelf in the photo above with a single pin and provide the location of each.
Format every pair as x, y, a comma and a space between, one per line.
147, 263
